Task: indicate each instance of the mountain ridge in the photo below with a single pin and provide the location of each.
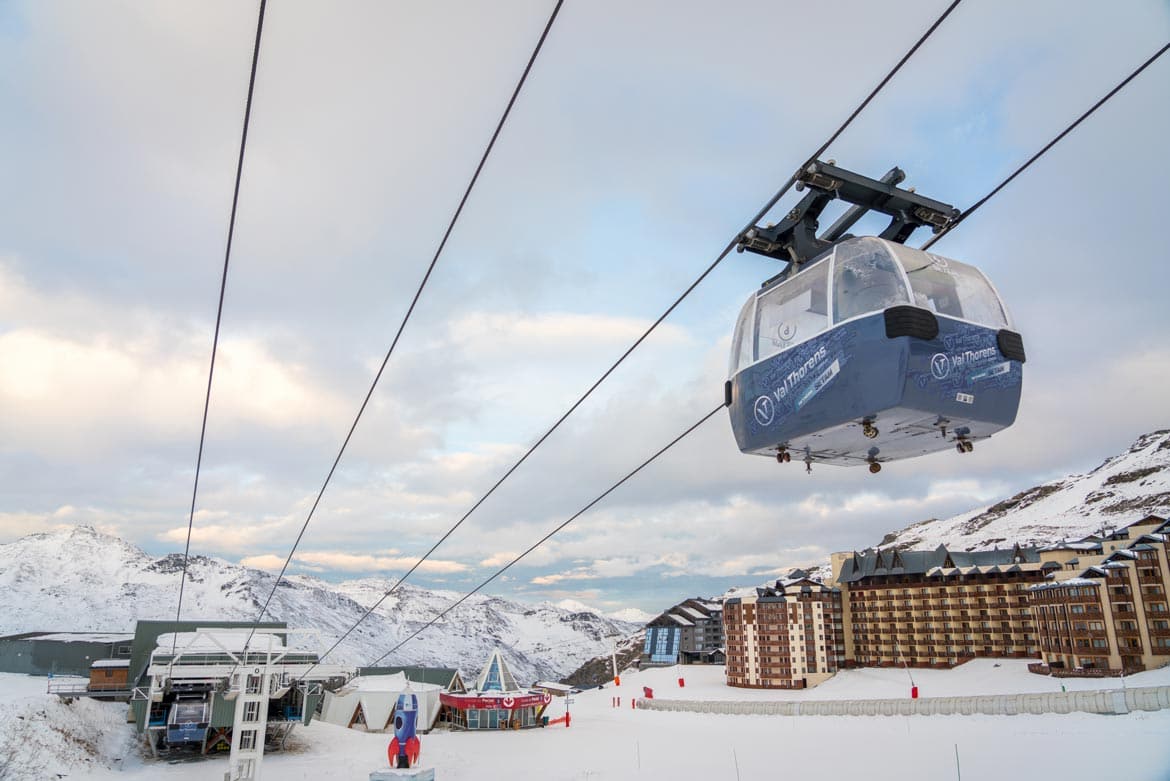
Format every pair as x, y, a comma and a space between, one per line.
81, 579
1124, 488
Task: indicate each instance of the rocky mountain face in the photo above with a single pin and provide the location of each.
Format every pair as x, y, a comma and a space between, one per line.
598, 671
79, 579
1124, 489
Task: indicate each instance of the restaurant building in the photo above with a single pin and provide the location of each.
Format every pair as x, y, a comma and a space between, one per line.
495, 701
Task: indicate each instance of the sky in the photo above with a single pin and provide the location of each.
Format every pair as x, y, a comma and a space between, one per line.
645, 138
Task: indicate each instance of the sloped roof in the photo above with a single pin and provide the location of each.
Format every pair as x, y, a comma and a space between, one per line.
1063, 583
496, 676
447, 677
875, 563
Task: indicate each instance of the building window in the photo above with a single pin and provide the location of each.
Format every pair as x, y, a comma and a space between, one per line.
248, 739
251, 711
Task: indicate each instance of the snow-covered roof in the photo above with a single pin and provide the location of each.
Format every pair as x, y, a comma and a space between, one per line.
387, 683
111, 663
1063, 583
86, 637
1078, 546
218, 641
676, 618
693, 612
554, 687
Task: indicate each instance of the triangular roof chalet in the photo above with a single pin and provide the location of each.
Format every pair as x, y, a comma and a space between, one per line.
496, 676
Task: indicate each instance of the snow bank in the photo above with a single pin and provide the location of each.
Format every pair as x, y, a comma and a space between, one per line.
610, 743
43, 737
976, 677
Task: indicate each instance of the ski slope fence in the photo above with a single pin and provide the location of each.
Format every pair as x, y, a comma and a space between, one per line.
1149, 698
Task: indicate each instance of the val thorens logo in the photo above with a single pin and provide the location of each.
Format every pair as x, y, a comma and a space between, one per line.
765, 411
940, 366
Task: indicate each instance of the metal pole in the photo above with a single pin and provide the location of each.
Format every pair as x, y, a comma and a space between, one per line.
958, 771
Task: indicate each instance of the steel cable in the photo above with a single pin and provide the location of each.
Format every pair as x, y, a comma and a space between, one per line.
219, 311
719, 259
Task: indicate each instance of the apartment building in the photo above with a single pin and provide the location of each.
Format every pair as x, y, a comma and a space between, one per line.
937, 608
691, 632
1104, 610
789, 636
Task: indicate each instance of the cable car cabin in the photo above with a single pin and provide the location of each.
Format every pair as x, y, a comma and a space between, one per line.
873, 351
187, 722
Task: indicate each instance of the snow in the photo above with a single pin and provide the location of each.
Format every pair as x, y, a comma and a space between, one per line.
1066, 582
111, 663
388, 683
620, 744
218, 641
631, 614
79, 578
978, 676
43, 737
1124, 489
553, 686
85, 637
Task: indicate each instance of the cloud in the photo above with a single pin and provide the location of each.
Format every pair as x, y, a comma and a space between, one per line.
497, 560
349, 562
264, 561
231, 536
615, 183
338, 561
578, 574
120, 378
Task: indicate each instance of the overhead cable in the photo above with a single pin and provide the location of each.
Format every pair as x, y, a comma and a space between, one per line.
1046, 147
549, 536
219, 311
718, 259
410, 310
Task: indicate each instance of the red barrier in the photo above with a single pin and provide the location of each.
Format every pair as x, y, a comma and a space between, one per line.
681, 683
913, 692
647, 692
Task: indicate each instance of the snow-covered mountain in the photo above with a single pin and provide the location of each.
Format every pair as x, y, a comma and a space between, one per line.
1124, 489
80, 579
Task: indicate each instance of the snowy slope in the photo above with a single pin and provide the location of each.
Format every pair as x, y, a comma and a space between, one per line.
1124, 489
624, 744
82, 580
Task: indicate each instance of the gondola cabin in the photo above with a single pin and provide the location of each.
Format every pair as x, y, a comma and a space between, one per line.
872, 351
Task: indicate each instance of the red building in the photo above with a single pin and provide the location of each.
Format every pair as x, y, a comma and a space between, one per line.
495, 702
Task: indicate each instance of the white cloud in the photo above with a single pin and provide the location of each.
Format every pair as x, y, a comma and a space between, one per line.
583, 228
338, 561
